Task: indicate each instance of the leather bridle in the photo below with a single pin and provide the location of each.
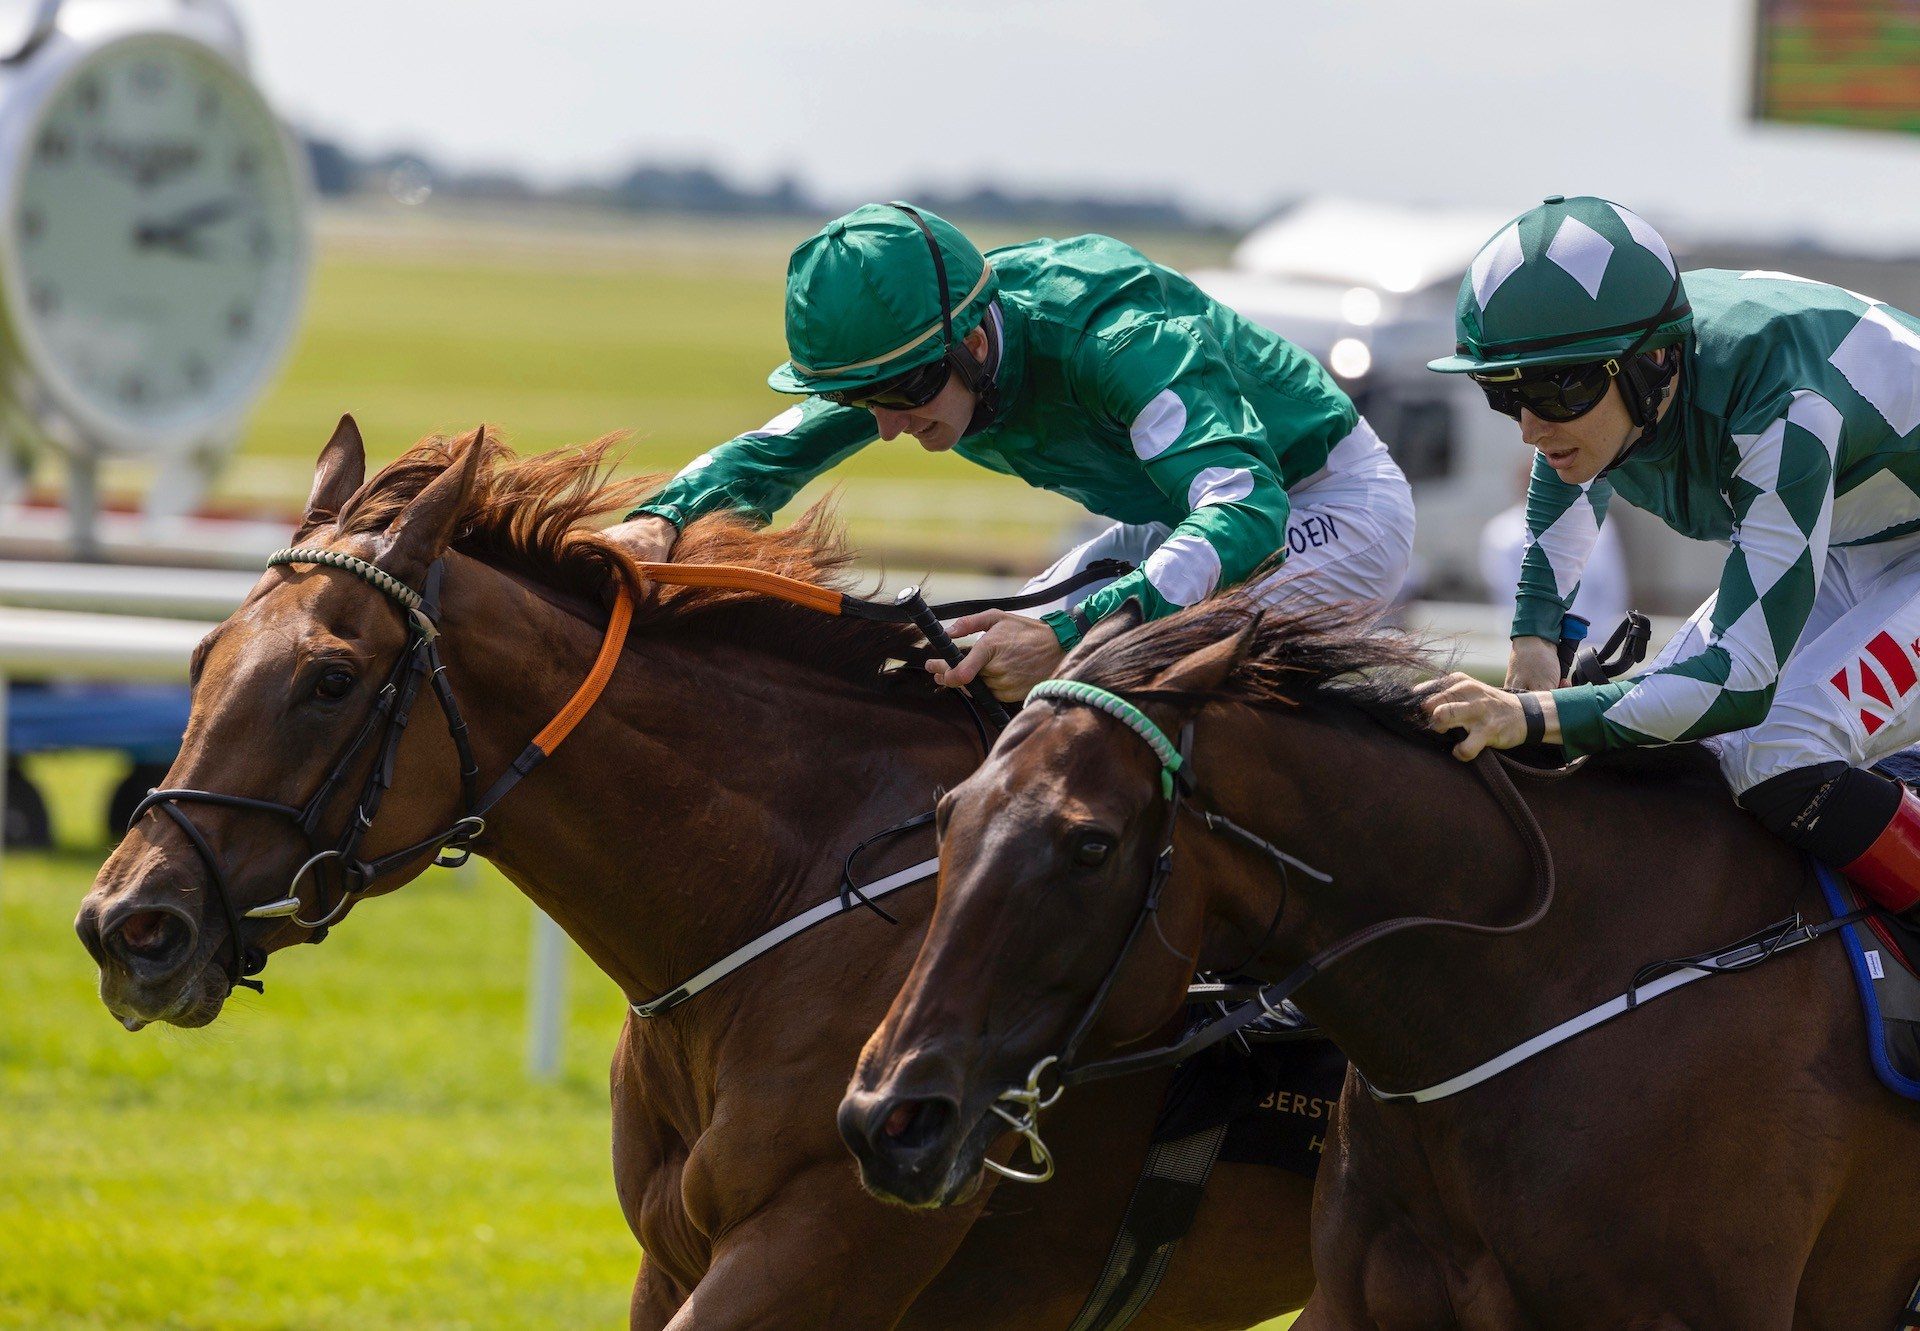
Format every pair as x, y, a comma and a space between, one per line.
1019, 1107
419, 662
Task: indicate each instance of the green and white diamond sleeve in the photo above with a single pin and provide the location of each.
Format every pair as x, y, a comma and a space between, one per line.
1563, 526
758, 472
1781, 489
1191, 427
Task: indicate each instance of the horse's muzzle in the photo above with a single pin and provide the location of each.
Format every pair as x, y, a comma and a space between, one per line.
910, 1147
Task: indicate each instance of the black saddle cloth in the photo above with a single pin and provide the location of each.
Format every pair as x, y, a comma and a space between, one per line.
1277, 1101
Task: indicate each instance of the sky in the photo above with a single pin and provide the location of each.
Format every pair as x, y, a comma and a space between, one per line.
1230, 105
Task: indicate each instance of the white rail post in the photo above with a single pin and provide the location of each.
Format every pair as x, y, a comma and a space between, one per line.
546, 997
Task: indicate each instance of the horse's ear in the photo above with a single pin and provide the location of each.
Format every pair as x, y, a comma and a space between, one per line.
1130, 615
426, 526
1207, 669
338, 473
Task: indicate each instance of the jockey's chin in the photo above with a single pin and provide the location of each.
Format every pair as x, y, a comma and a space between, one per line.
937, 437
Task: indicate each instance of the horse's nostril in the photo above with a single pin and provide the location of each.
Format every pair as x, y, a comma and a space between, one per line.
153, 935
914, 1124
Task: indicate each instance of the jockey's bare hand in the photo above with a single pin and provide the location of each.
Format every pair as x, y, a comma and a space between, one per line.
1013, 654
649, 539
1533, 664
1491, 716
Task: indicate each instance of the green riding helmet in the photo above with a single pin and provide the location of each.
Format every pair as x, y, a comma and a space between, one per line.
1573, 280
864, 303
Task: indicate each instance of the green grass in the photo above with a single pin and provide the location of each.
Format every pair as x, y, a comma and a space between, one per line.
359, 1148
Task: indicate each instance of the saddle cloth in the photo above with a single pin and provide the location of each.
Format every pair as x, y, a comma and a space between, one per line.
1881, 957
1277, 1101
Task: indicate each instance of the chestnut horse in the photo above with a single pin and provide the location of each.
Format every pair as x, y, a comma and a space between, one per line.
1720, 1158
739, 751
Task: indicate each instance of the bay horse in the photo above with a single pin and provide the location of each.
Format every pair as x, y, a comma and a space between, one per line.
739, 750
1721, 1158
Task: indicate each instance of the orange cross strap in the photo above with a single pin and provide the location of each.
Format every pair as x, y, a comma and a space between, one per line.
595, 683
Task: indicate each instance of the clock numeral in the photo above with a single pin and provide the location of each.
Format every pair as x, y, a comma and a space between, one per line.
87, 95
53, 146
260, 241
239, 321
32, 223
245, 163
43, 299
198, 375
149, 78
207, 105
133, 388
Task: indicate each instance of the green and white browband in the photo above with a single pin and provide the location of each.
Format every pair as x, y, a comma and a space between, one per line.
379, 577
1073, 690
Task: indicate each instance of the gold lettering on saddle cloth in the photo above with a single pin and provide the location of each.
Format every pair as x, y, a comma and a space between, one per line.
1300, 1106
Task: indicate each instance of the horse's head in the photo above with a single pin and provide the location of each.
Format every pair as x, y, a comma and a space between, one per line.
1047, 853
281, 690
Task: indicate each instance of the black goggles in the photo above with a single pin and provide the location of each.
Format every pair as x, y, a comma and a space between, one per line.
1557, 393
903, 392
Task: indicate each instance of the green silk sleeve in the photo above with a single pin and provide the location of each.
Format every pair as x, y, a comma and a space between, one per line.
758, 472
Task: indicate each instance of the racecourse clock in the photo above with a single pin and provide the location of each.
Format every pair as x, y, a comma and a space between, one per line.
152, 244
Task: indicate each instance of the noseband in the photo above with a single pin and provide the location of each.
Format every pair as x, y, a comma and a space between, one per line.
418, 662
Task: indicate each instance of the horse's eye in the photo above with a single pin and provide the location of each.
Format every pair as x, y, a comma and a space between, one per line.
1092, 850
337, 683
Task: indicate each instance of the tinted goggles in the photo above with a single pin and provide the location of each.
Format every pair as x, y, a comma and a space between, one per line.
1556, 393
903, 392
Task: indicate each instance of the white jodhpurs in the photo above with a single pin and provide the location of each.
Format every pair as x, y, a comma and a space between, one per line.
1349, 534
1850, 690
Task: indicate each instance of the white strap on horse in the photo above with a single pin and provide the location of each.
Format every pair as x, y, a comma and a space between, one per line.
766, 942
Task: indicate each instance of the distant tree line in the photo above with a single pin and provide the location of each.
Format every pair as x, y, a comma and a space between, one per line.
655, 187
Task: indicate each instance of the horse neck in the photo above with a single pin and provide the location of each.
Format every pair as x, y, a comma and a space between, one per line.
1643, 872
708, 791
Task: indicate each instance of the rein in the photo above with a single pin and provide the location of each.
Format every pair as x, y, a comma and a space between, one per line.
418, 662
1019, 1107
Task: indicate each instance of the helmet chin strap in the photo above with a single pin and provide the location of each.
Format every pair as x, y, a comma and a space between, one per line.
980, 376
1644, 381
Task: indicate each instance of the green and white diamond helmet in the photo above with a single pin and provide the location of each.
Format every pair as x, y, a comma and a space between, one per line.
1572, 280
883, 290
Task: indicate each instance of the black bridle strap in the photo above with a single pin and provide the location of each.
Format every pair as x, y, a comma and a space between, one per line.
418, 662
1492, 769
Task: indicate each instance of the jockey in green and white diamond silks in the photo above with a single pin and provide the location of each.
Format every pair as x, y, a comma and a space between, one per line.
1084, 368
1775, 415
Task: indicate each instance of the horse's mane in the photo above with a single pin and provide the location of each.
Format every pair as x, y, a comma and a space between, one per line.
527, 515
1301, 652
1298, 650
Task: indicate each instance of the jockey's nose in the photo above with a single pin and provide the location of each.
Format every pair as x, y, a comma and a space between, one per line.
888, 422
1532, 428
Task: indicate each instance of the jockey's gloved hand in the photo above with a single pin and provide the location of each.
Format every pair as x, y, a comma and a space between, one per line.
648, 537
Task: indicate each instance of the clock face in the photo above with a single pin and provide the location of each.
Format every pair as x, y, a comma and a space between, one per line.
156, 241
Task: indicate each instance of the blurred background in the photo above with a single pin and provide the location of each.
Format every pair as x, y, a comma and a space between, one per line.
222, 225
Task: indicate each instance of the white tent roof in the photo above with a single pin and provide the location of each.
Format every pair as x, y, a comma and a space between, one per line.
1356, 243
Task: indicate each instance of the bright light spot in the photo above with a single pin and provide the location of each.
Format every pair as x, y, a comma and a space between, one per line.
1360, 307
1350, 358
1403, 277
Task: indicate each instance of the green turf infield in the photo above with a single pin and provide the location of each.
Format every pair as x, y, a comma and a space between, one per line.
360, 1149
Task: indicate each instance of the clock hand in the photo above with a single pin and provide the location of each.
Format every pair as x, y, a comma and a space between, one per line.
177, 230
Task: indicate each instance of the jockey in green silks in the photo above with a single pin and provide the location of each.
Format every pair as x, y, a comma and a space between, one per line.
1777, 416
1084, 368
